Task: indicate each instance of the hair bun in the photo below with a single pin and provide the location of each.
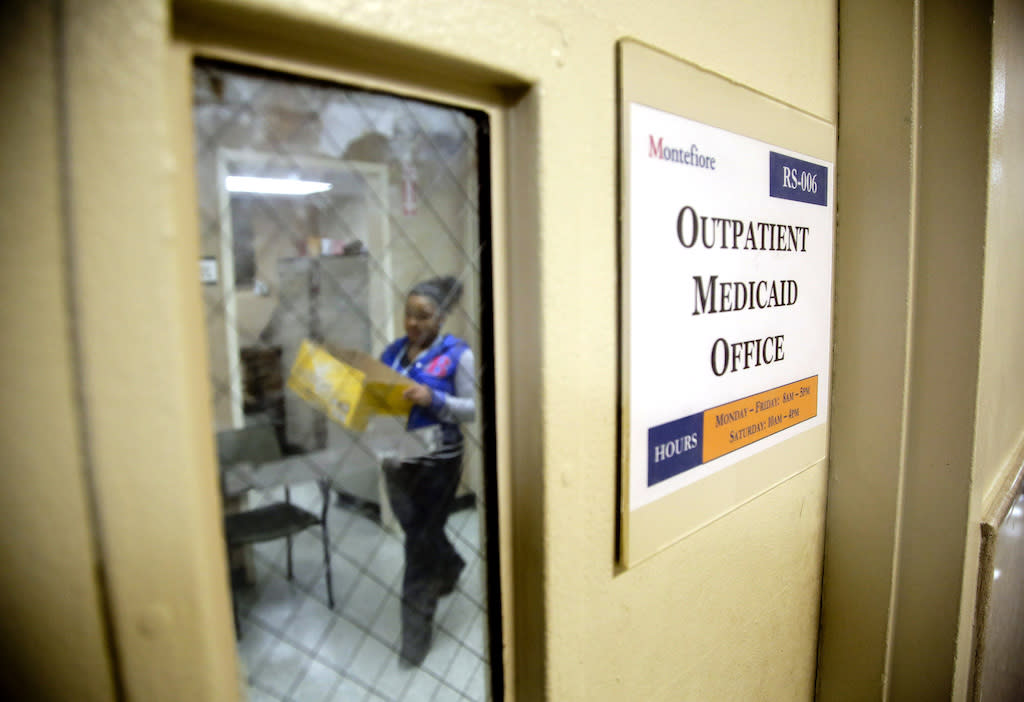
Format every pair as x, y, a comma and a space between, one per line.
445, 291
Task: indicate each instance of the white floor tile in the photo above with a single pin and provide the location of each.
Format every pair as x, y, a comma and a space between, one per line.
255, 643
475, 639
461, 667
350, 691
277, 604
364, 602
456, 615
255, 695
293, 643
309, 624
371, 657
478, 682
449, 694
388, 562
393, 681
318, 685
421, 686
279, 669
388, 625
340, 644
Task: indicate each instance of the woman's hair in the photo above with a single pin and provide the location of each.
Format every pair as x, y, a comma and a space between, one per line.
444, 290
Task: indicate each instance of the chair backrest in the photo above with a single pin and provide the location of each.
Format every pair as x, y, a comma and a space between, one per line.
254, 444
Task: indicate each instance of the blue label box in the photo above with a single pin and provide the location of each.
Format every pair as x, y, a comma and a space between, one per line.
793, 179
675, 447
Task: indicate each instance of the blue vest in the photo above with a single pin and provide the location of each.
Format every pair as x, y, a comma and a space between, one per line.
435, 368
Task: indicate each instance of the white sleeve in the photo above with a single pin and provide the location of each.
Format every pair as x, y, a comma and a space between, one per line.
461, 406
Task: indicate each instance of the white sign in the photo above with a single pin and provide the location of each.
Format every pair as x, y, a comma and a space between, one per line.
729, 294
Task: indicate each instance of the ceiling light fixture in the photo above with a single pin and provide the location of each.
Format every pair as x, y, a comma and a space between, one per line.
274, 186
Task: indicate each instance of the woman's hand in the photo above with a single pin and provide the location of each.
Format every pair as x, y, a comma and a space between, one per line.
419, 394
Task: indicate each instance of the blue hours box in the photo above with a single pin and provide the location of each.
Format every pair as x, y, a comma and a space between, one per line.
675, 447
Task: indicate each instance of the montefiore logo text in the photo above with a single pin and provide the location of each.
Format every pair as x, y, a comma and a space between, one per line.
687, 157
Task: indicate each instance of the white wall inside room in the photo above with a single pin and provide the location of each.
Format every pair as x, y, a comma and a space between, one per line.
324, 136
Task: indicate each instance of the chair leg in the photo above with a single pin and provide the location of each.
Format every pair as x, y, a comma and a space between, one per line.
288, 538
327, 565
325, 491
238, 620
234, 600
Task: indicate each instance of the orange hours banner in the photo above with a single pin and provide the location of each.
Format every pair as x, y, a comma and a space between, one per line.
741, 422
682, 444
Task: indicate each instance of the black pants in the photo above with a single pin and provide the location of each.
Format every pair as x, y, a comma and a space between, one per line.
422, 492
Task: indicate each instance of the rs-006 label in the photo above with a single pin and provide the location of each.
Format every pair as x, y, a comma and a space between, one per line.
795, 179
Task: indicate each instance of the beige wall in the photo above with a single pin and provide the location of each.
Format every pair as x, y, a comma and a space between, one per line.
999, 438
54, 640
1001, 372
730, 612
140, 355
874, 184
927, 421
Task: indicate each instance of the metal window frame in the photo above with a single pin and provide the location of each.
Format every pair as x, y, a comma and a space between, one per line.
493, 102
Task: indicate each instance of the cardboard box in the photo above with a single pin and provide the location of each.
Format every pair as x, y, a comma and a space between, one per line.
349, 386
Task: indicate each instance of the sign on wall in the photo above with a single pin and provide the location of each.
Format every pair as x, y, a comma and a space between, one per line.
726, 299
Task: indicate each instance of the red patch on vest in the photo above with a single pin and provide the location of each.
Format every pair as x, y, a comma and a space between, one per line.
439, 366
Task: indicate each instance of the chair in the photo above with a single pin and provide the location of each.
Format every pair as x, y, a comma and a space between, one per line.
251, 458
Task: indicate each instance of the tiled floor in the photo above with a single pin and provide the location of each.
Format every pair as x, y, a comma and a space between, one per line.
293, 647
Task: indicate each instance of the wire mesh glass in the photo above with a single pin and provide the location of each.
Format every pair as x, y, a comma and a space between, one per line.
320, 207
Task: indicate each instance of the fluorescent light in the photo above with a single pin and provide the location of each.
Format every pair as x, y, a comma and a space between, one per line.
274, 186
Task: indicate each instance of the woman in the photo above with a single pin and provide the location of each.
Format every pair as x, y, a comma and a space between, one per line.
422, 489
